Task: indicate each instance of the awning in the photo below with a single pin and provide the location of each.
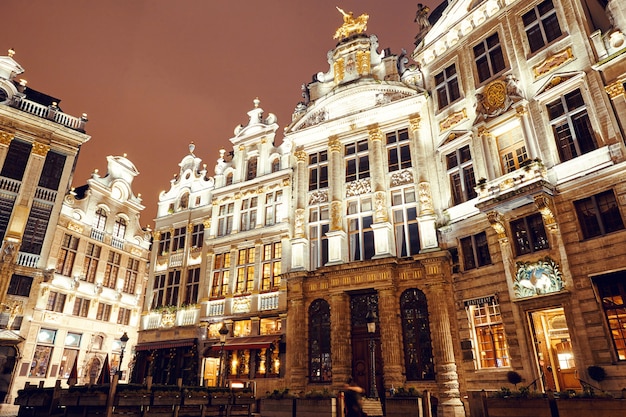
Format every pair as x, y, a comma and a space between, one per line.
251, 342
166, 344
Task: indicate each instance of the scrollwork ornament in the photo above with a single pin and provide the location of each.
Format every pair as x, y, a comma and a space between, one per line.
5, 138
380, 214
425, 198
375, 133
334, 144
301, 156
336, 218
497, 223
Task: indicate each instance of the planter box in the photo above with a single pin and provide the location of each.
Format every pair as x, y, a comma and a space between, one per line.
127, 399
518, 407
403, 406
127, 412
190, 411
196, 399
308, 407
220, 400
69, 400
243, 399
277, 408
596, 407
94, 399
166, 400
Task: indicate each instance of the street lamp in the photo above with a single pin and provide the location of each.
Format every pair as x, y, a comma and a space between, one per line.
123, 341
371, 329
223, 332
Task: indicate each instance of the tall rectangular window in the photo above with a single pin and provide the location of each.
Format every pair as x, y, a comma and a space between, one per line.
172, 289
541, 25
272, 254
489, 58
571, 126
112, 270
273, 207
319, 225
318, 170
81, 307
398, 150
252, 168
178, 240
20, 285
221, 275
197, 235
461, 173
612, 292
447, 86
52, 170
248, 213
130, 280
104, 312
7, 201
512, 149
529, 234
487, 329
357, 161
18, 155
245, 271
599, 214
56, 301
405, 221
192, 286
123, 316
90, 264
158, 291
225, 219
36, 226
475, 251
119, 228
43, 353
164, 243
360, 233
100, 219
67, 254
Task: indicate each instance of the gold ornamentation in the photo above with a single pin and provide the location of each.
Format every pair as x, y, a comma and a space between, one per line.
521, 111
135, 251
553, 62
299, 226
333, 144
351, 25
495, 95
156, 235
426, 199
75, 227
286, 182
543, 204
497, 222
363, 62
335, 216
380, 213
616, 89
453, 120
414, 122
206, 223
40, 149
300, 156
5, 138
339, 70
375, 133
190, 228
483, 131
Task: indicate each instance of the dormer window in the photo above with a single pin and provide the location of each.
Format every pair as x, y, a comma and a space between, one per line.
229, 179
99, 222
276, 165
184, 201
119, 228
252, 168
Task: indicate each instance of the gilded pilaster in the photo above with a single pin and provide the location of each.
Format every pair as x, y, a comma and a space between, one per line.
615, 89
390, 336
376, 158
300, 189
40, 149
5, 138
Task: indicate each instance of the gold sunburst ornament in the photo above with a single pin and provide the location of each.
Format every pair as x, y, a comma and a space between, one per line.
351, 25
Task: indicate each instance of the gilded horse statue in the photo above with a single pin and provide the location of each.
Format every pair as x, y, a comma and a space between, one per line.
351, 25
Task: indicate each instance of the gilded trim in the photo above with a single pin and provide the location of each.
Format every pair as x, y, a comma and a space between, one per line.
553, 62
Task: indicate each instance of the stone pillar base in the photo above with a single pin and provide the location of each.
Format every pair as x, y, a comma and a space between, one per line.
383, 240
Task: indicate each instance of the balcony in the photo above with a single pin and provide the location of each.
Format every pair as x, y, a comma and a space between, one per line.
117, 243
29, 260
52, 113
268, 301
45, 194
215, 308
514, 189
11, 185
171, 317
97, 235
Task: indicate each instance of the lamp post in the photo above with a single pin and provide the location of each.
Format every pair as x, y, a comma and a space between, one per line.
223, 332
123, 341
371, 329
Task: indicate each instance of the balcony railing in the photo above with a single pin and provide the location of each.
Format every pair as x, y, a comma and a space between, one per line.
45, 194
97, 234
188, 316
52, 113
511, 184
176, 260
8, 184
117, 243
28, 259
215, 308
268, 301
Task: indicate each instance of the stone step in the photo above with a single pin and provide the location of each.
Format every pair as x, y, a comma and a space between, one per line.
372, 407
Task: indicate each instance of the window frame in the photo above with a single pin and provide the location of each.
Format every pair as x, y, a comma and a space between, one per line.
471, 251
611, 292
489, 54
398, 145
522, 229
360, 218
248, 213
91, 261
463, 190
599, 217
493, 322
318, 170
356, 159
244, 271
404, 214
539, 22
320, 358
271, 258
447, 86
222, 264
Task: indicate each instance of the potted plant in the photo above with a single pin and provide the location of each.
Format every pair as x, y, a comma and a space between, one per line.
277, 403
317, 403
404, 401
132, 395
220, 396
165, 395
245, 396
195, 396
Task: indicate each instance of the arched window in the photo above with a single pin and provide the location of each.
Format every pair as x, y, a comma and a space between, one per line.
251, 171
184, 201
276, 165
99, 222
119, 228
418, 351
229, 178
320, 364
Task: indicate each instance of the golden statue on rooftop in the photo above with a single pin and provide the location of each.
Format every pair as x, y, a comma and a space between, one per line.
351, 25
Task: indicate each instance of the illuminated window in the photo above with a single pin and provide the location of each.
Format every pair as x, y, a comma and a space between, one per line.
130, 280
270, 326
67, 254
221, 275
248, 213
90, 264
272, 255
319, 225
612, 292
357, 161
112, 270
242, 328
512, 149
488, 332
318, 170
245, 271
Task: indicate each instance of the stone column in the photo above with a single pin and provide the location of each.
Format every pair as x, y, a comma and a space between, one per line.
299, 243
486, 139
529, 132
337, 238
340, 339
617, 94
5, 141
439, 291
297, 349
384, 244
390, 336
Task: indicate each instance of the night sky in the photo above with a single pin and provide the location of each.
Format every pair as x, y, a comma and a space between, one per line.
155, 75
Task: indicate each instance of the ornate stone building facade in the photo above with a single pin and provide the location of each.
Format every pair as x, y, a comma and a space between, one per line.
470, 206
38, 148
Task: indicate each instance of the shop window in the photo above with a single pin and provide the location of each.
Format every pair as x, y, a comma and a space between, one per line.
320, 362
612, 292
418, 351
485, 321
